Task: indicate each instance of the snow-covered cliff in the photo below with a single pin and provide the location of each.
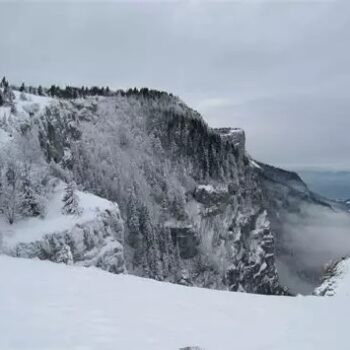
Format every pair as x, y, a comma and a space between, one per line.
92, 238
198, 210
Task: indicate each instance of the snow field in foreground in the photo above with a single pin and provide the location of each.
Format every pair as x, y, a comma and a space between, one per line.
53, 306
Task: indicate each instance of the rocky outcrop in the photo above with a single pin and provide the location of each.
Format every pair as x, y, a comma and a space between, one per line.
236, 136
97, 242
335, 279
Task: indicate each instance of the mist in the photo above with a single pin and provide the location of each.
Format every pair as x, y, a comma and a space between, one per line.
311, 241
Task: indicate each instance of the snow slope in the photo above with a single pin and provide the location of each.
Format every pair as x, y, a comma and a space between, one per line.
26, 107
33, 229
29, 104
54, 306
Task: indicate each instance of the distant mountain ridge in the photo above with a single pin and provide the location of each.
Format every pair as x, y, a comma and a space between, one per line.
331, 184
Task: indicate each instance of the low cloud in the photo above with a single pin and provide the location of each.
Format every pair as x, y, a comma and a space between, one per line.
312, 240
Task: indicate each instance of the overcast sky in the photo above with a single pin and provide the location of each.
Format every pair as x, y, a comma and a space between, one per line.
279, 70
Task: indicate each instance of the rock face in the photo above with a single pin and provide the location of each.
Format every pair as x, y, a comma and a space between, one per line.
95, 243
190, 195
234, 135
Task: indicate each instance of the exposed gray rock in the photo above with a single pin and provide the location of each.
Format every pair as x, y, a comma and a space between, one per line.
233, 135
187, 239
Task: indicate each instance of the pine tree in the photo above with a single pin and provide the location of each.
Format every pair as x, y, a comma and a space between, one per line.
71, 200
53, 91
132, 222
40, 91
10, 194
30, 205
150, 256
3, 82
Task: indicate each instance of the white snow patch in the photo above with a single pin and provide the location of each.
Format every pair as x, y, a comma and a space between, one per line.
212, 189
30, 103
47, 306
255, 164
26, 106
33, 229
207, 188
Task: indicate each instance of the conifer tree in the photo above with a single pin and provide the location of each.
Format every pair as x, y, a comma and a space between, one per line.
150, 255
133, 222
71, 200
40, 91
10, 194
30, 205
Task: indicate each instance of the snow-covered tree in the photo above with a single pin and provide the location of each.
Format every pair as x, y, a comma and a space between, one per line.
40, 90
71, 200
31, 204
132, 221
6, 93
64, 255
11, 196
151, 262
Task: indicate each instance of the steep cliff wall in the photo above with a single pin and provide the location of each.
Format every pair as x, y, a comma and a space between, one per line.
190, 195
198, 210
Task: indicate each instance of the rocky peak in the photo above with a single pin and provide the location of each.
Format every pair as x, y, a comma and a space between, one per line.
234, 135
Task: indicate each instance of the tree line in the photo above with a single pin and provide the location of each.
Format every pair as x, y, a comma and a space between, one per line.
73, 92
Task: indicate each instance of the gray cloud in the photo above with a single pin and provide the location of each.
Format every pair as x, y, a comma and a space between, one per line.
313, 239
278, 69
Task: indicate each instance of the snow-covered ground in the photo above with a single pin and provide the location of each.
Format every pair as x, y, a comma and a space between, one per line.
29, 104
26, 106
33, 229
53, 306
